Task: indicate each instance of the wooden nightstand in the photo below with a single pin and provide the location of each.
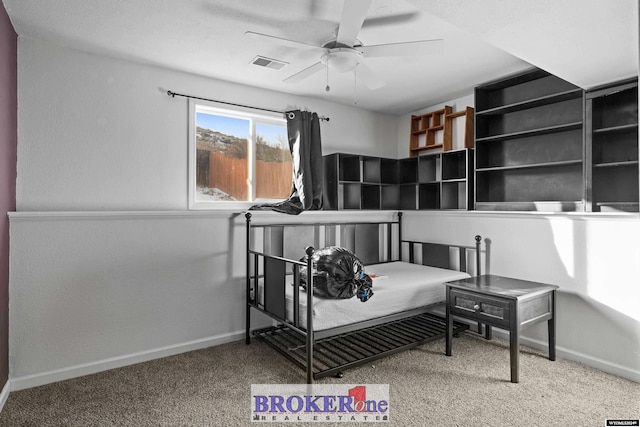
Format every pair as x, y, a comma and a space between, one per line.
503, 302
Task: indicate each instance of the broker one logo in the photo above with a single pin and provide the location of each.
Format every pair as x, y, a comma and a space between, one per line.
322, 402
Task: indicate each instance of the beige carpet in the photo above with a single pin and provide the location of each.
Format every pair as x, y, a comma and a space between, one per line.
211, 387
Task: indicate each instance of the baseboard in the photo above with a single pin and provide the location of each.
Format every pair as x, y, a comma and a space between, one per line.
594, 362
565, 353
35, 380
4, 394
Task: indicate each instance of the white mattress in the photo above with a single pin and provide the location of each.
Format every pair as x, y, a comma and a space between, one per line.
401, 286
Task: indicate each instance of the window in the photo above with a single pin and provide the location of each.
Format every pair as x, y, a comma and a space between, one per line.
236, 156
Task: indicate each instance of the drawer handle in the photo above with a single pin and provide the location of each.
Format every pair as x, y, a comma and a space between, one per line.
476, 307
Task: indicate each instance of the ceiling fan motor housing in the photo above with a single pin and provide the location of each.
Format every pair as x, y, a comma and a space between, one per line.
341, 59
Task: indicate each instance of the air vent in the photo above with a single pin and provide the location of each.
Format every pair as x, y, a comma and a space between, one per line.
268, 62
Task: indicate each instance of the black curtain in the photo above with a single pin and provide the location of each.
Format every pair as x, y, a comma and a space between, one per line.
303, 129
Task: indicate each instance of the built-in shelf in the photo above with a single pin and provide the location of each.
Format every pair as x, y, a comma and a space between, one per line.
616, 164
618, 206
611, 146
531, 166
532, 103
540, 142
542, 205
532, 132
529, 144
622, 128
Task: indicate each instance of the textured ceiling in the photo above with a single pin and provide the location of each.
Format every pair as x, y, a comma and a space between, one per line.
586, 42
483, 39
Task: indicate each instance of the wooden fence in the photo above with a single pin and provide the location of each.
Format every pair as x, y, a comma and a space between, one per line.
229, 174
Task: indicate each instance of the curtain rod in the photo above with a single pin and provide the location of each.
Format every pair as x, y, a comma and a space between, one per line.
174, 94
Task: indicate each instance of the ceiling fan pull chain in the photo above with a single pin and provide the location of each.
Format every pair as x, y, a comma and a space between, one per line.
327, 88
355, 87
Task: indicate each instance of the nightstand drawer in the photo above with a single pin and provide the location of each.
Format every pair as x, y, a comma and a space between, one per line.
479, 307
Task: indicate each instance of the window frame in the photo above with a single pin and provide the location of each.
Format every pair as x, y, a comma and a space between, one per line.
197, 106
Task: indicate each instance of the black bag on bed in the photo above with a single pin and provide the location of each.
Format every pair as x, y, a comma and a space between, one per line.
338, 273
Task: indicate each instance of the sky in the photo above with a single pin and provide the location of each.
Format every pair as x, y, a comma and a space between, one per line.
240, 127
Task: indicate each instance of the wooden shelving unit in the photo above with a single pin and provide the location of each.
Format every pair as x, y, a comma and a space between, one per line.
435, 130
612, 148
529, 144
427, 131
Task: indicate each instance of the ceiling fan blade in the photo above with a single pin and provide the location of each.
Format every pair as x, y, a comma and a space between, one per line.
283, 41
417, 48
307, 72
368, 77
390, 19
353, 14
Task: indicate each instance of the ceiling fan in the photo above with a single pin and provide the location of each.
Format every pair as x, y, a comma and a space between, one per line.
344, 52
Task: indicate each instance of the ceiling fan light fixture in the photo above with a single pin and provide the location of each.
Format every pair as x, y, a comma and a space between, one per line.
342, 60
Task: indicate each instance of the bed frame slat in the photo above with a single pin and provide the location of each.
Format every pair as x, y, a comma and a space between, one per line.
350, 350
436, 255
274, 274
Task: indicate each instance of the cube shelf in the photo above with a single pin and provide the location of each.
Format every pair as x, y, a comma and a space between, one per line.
431, 181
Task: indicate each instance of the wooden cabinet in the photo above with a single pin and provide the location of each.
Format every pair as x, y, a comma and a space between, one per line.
529, 144
431, 181
612, 148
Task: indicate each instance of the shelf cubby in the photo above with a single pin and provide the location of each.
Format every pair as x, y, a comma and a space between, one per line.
453, 195
408, 170
349, 168
390, 196
429, 196
388, 171
371, 169
552, 183
370, 197
350, 195
408, 197
528, 87
545, 148
429, 168
454, 165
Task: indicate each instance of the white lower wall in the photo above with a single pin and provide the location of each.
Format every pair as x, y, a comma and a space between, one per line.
94, 291
97, 287
593, 258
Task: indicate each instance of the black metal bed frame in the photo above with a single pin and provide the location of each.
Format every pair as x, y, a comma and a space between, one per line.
330, 351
